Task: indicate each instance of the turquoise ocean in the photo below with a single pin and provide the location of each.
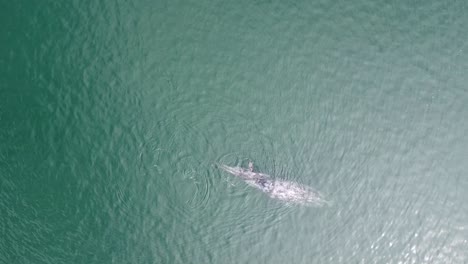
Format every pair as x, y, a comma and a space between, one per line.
114, 114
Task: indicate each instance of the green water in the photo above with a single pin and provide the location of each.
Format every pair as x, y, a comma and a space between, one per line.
113, 113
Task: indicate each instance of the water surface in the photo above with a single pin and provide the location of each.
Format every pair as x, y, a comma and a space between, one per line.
113, 113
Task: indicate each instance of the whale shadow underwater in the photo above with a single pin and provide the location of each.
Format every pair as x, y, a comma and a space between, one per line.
286, 191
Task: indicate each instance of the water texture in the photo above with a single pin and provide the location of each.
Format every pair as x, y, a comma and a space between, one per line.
113, 114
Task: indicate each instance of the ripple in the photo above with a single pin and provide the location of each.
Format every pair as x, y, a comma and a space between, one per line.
201, 194
122, 199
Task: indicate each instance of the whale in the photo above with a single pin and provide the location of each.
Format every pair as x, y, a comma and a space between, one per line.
286, 191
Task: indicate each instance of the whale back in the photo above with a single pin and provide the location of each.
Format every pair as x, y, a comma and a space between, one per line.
286, 191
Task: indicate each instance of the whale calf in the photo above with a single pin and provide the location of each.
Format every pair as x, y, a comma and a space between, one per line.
286, 191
